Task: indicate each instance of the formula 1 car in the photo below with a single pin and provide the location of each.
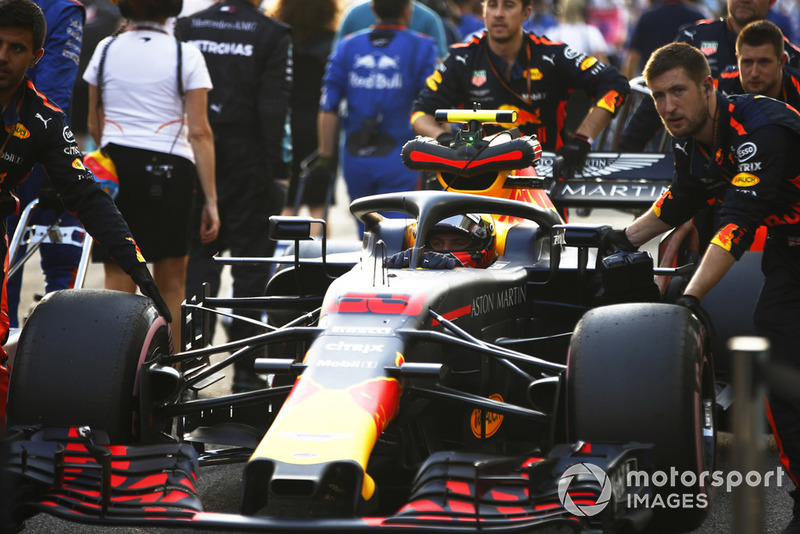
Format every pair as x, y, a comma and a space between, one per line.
536, 395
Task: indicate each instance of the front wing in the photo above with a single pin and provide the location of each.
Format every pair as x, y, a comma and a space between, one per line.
73, 473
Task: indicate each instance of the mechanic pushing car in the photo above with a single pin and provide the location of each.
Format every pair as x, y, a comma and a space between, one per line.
737, 149
717, 40
459, 241
36, 131
509, 68
761, 65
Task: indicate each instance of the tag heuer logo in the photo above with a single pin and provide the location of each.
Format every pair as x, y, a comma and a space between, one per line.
478, 77
709, 47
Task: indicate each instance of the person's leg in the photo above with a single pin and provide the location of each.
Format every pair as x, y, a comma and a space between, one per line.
170, 277
250, 198
4, 326
776, 317
60, 260
117, 279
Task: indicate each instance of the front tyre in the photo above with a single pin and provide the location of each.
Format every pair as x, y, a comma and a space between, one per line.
79, 358
637, 373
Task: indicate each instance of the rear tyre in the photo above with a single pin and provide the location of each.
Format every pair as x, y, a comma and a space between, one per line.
636, 373
79, 358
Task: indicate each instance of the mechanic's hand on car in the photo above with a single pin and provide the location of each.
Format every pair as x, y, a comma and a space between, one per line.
430, 260
693, 303
140, 274
571, 158
615, 241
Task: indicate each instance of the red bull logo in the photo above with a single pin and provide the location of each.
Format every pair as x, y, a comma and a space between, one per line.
660, 202
611, 101
523, 116
434, 80
380, 398
726, 237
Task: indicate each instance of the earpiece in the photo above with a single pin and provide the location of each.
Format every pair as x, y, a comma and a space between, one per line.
708, 88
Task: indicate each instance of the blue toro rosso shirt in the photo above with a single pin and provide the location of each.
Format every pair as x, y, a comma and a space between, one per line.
65, 18
750, 170
379, 72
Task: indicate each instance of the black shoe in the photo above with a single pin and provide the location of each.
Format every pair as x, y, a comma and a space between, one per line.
246, 380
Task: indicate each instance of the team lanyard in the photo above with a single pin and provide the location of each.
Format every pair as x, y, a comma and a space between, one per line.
526, 74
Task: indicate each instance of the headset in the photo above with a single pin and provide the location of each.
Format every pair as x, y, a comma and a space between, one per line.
145, 9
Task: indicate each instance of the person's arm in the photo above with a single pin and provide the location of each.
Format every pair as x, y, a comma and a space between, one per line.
96, 117
275, 85
327, 125
594, 122
645, 228
424, 124
441, 91
716, 262
202, 140
632, 59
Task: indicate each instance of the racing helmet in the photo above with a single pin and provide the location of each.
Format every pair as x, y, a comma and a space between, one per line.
477, 248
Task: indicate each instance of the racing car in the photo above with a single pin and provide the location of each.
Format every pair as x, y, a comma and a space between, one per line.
537, 394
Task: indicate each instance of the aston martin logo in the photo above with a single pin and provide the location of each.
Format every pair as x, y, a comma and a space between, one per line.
599, 165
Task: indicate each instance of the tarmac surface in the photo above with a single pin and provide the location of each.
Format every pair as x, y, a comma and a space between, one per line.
219, 486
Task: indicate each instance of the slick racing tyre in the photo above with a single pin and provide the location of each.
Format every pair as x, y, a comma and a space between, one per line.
636, 373
79, 358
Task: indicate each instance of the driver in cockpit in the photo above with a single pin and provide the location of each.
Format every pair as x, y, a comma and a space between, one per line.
458, 241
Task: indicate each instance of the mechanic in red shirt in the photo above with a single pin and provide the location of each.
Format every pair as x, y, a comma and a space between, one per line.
738, 149
509, 68
36, 131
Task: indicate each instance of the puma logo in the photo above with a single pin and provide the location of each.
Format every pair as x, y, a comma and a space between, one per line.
216, 108
550, 58
462, 59
44, 121
682, 148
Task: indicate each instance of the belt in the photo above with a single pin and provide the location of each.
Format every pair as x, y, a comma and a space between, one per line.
784, 240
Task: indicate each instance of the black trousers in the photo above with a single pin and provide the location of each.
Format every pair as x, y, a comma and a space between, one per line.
247, 197
777, 317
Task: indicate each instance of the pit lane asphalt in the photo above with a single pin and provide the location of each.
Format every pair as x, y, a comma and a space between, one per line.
219, 486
